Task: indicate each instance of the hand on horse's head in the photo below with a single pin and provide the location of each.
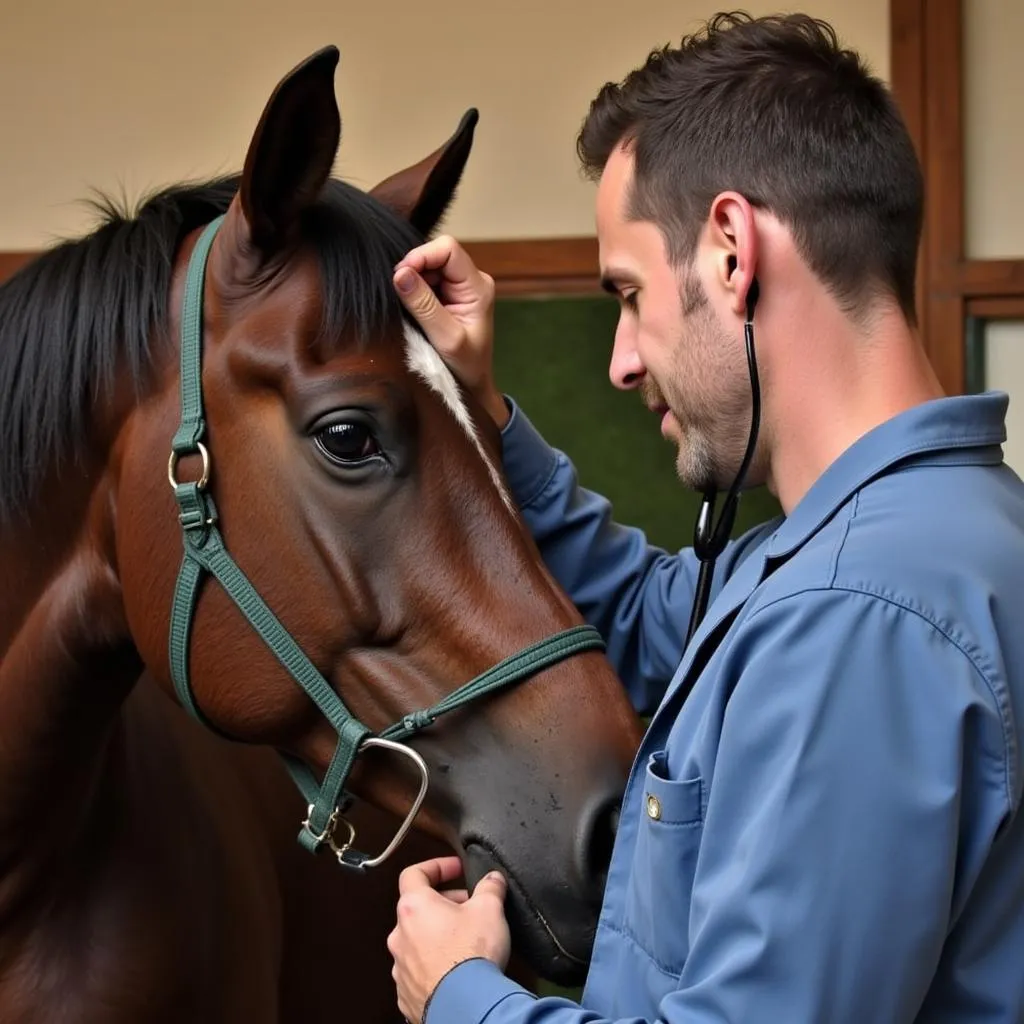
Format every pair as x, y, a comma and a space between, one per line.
456, 314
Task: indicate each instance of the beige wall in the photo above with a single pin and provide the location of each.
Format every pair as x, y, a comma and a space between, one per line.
126, 95
994, 156
1004, 366
993, 128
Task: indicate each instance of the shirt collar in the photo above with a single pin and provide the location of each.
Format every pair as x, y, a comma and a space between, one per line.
974, 426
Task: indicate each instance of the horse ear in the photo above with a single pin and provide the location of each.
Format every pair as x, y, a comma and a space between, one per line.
422, 193
292, 150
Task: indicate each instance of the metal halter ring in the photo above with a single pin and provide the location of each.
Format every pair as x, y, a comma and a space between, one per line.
172, 467
332, 843
351, 858
398, 748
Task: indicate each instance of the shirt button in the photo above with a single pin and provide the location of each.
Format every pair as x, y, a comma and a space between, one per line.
653, 807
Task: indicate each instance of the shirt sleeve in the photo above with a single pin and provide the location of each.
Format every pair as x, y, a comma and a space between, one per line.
860, 782
636, 594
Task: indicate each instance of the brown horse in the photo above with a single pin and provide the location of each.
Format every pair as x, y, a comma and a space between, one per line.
148, 866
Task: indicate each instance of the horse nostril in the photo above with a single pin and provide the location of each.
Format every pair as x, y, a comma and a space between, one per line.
597, 848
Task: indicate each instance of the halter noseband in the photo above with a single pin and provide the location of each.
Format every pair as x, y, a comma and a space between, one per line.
204, 551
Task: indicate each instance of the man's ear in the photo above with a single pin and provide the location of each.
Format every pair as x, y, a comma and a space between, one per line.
753, 292
423, 192
732, 235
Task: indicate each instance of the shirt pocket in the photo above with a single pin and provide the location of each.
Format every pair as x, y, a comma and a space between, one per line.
657, 910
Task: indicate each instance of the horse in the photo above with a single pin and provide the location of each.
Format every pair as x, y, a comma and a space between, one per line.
252, 531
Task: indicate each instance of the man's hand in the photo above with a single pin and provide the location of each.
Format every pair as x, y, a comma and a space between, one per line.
437, 930
459, 319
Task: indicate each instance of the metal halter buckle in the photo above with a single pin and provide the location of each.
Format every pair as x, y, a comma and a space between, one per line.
327, 836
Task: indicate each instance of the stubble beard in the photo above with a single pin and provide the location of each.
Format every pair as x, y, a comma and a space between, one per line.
713, 438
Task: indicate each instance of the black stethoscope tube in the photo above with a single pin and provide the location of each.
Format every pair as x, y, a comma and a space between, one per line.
709, 538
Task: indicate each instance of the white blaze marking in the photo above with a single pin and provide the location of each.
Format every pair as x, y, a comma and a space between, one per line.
422, 358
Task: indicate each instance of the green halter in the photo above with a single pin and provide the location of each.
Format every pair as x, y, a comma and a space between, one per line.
204, 551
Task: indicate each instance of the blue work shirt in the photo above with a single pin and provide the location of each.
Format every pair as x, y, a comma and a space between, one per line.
827, 829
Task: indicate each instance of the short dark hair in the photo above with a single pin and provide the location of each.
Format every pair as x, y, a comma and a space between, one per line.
775, 109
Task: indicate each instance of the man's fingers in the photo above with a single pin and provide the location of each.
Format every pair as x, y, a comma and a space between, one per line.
491, 886
443, 254
419, 299
455, 895
429, 874
411, 286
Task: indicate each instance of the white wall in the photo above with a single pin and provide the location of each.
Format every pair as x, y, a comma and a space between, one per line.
130, 94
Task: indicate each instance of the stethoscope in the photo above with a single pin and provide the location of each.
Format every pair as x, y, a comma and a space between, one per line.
709, 538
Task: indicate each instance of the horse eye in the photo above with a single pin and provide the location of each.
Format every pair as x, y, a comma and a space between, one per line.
347, 443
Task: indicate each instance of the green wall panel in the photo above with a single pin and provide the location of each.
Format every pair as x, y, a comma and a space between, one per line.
552, 356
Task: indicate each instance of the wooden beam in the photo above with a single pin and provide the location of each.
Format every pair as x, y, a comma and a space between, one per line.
12, 261
984, 277
1010, 307
944, 157
943, 72
907, 80
528, 266
539, 265
537, 287
906, 65
946, 341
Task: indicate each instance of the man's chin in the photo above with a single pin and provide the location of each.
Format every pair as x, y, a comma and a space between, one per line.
692, 473
685, 473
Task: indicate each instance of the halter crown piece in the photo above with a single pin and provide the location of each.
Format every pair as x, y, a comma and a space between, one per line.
204, 552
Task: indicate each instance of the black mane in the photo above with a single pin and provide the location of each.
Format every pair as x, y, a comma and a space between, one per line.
90, 308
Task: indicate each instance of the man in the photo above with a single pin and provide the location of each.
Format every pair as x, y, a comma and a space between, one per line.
823, 820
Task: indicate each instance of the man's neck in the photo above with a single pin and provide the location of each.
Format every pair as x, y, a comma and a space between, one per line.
831, 385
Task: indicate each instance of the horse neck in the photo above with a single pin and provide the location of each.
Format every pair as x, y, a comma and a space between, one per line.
66, 664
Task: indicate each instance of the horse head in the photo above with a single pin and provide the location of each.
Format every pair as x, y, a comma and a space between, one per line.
357, 490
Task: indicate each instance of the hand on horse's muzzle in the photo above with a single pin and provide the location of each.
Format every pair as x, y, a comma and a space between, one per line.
437, 930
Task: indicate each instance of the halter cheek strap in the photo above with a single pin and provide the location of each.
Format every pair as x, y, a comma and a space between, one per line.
206, 554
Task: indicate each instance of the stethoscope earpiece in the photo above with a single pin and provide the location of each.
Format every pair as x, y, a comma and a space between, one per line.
753, 294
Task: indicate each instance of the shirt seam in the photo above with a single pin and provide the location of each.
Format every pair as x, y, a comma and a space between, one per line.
428, 1009
844, 533
999, 700
626, 934
544, 484
892, 464
507, 995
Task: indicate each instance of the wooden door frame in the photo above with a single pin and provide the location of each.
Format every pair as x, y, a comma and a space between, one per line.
956, 295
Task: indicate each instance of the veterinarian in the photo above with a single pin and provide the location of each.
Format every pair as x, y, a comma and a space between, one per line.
823, 822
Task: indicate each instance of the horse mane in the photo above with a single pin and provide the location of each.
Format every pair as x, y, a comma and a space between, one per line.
91, 308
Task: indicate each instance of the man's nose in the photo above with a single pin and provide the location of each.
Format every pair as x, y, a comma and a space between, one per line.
626, 370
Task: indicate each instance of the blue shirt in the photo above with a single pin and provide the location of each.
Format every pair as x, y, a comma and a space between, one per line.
827, 829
